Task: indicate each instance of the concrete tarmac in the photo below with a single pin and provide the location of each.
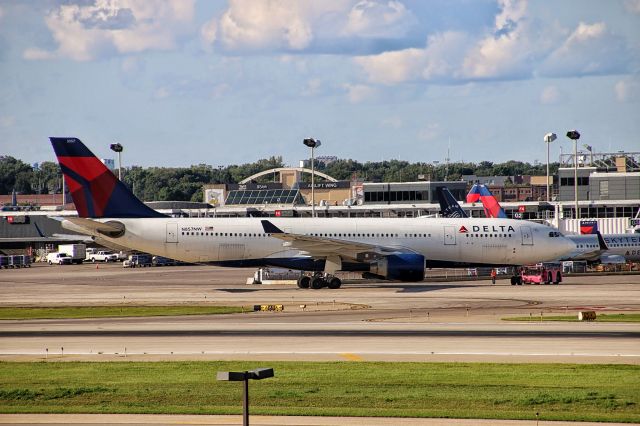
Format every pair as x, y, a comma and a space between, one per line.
454, 321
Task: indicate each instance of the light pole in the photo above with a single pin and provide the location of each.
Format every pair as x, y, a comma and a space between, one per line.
312, 143
590, 149
245, 376
574, 135
117, 147
548, 138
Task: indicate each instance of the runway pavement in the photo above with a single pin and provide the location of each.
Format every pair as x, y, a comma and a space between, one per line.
158, 420
376, 321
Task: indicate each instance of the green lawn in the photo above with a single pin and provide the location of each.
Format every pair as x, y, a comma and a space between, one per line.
113, 311
464, 390
570, 318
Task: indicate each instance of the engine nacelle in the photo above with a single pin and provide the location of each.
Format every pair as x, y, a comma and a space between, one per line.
402, 267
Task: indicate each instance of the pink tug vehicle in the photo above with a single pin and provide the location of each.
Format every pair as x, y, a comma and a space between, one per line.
542, 273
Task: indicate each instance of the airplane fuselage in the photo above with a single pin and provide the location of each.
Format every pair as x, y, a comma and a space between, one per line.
442, 241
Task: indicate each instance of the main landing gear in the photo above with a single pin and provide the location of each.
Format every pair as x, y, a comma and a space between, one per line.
319, 280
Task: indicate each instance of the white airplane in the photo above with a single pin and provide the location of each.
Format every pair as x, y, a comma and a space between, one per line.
590, 245
388, 248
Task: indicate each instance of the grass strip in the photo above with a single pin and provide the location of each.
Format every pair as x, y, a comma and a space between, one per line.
574, 318
13, 313
607, 393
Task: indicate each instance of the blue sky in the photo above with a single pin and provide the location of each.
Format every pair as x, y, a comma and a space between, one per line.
181, 82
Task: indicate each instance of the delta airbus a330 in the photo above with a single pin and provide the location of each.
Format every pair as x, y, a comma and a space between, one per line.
387, 248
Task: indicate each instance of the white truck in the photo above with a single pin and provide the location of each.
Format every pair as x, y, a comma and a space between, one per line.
77, 252
102, 256
58, 258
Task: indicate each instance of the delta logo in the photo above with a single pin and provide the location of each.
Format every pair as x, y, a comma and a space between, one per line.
463, 230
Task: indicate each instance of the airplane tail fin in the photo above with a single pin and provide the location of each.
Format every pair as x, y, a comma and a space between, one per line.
449, 206
491, 206
588, 227
95, 190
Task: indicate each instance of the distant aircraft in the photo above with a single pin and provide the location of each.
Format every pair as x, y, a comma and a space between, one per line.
491, 206
388, 248
449, 206
590, 245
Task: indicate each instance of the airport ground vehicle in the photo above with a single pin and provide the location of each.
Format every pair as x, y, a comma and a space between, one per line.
77, 252
103, 256
15, 261
138, 261
542, 273
59, 258
163, 261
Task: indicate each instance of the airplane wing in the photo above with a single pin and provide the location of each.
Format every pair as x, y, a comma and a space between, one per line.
323, 246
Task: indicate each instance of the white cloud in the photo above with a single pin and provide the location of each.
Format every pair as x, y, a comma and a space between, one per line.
379, 19
590, 49
85, 31
393, 67
293, 25
632, 6
550, 95
444, 55
508, 50
359, 92
209, 33
35, 54
247, 24
627, 90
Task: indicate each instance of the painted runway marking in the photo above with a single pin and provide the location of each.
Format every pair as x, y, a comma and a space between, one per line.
351, 357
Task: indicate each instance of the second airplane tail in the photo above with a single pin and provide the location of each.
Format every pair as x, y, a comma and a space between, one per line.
96, 191
449, 206
491, 206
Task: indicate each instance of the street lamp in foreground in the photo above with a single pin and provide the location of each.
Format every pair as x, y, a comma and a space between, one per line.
312, 143
117, 147
574, 135
245, 376
548, 138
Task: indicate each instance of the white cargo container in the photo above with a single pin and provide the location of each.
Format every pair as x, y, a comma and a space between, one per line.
77, 252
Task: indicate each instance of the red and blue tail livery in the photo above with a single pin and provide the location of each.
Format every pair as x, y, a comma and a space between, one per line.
96, 191
491, 206
588, 227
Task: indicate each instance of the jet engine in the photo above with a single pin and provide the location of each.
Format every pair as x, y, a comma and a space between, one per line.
400, 267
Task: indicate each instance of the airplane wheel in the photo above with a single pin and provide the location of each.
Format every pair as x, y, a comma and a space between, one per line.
303, 282
317, 283
335, 283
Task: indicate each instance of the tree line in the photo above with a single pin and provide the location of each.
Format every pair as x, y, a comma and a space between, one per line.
185, 183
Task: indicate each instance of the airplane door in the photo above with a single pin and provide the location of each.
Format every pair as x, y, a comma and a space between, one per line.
527, 236
172, 232
449, 235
